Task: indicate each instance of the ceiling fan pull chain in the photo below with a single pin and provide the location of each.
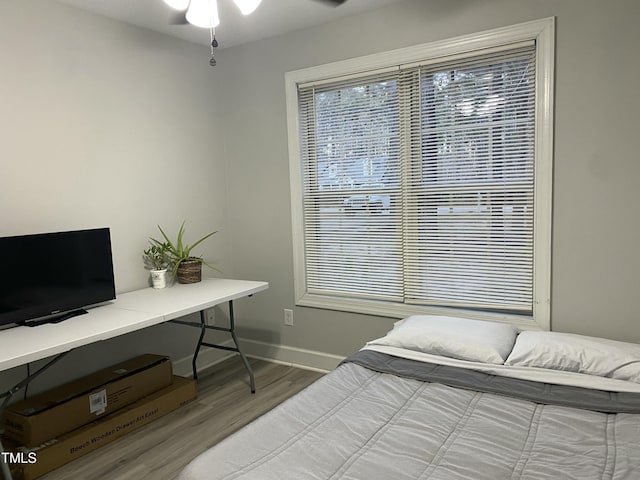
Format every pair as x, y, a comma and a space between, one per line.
214, 44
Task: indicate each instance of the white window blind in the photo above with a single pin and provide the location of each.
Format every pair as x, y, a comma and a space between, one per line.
469, 185
350, 138
424, 186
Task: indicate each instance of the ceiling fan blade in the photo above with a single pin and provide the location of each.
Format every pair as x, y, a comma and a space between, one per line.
178, 18
335, 3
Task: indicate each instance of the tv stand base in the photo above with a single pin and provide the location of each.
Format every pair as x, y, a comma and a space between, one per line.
55, 319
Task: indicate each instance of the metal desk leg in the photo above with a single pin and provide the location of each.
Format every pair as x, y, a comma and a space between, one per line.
232, 330
235, 340
203, 329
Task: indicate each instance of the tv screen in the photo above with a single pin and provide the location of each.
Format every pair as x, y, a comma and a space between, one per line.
51, 274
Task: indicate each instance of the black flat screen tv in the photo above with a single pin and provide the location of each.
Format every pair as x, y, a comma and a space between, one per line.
51, 276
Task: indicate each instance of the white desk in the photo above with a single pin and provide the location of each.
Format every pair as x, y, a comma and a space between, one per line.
180, 300
21, 345
129, 312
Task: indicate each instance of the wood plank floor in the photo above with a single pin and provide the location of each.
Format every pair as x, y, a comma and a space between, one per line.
159, 450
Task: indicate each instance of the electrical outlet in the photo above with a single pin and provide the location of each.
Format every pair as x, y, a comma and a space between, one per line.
288, 317
211, 316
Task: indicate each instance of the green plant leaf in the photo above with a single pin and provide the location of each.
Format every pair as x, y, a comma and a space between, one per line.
211, 266
178, 251
184, 252
202, 240
172, 247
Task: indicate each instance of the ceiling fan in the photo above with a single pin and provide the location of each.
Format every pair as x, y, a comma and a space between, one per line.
204, 14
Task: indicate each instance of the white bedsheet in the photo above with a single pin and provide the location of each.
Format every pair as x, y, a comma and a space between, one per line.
544, 375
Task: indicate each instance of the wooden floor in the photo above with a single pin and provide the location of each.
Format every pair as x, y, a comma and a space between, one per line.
159, 450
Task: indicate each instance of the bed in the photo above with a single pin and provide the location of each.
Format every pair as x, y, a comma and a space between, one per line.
445, 398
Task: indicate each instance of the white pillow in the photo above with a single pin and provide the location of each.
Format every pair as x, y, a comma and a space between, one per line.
577, 353
472, 340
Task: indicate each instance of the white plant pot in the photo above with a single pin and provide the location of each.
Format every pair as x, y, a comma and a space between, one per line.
159, 278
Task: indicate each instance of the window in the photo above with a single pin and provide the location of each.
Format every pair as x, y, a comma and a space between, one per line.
421, 179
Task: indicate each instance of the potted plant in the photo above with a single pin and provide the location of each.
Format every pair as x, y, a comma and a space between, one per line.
187, 268
157, 260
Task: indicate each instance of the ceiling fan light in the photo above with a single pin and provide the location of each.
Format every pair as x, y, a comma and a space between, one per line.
177, 4
247, 6
203, 13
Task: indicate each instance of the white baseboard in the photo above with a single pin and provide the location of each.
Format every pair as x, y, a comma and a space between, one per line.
296, 357
283, 354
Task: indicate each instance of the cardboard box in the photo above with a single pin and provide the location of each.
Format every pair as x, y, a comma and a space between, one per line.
32, 463
62, 409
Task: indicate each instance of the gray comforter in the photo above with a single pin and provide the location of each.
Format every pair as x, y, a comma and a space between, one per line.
379, 417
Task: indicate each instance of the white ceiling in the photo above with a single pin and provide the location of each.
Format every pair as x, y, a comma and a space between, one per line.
272, 17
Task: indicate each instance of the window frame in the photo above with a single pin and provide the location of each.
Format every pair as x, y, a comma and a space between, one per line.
543, 33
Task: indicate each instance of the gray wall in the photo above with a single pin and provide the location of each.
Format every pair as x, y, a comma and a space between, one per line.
100, 121
105, 124
596, 231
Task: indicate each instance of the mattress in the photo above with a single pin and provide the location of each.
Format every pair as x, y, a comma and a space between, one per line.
379, 416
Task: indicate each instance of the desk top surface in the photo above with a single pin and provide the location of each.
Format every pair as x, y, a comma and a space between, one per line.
129, 312
179, 300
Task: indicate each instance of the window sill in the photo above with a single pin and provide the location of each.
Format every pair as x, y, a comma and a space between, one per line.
398, 310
